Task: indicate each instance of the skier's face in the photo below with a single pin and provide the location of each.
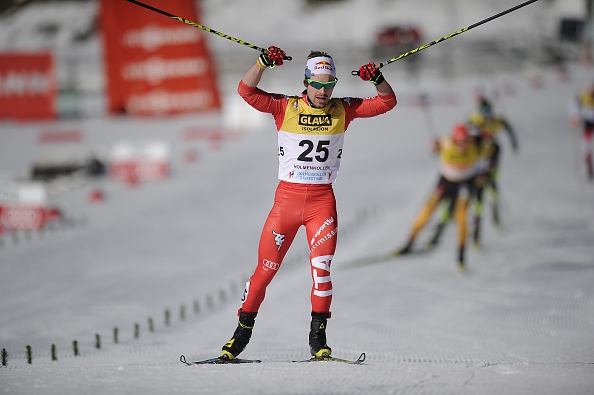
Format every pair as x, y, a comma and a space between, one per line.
461, 143
319, 94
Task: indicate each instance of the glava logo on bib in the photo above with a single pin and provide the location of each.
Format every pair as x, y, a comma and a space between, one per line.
315, 120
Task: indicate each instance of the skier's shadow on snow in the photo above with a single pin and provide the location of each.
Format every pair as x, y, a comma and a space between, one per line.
368, 260
380, 258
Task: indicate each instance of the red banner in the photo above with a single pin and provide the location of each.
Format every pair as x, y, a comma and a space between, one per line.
155, 64
27, 86
21, 217
23, 206
140, 162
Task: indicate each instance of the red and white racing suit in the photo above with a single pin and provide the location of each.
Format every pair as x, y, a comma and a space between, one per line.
310, 144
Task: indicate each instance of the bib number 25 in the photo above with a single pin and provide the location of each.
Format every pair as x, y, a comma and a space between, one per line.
321, 151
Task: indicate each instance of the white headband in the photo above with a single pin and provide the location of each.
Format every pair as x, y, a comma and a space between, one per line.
320, 65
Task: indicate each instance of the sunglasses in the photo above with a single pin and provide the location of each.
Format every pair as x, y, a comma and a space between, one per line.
319, 85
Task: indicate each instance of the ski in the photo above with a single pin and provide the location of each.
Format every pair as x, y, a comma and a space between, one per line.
223, 361
218, 361
328, 358
412, 252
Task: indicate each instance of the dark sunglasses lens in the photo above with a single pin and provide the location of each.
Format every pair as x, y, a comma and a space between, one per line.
316, 84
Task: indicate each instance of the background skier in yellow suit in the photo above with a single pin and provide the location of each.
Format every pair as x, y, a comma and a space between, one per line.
458, 161
581, 110
485, 127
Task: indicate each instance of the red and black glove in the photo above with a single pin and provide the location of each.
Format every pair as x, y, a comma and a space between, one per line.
369, 72
272, 57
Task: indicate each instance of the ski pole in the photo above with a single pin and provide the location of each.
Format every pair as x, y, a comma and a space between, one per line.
427, 112
439, 40
202, 27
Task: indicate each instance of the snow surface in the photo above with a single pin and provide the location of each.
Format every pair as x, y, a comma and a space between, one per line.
519, 321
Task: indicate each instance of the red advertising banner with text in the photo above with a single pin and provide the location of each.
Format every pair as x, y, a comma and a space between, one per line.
27, 86
156, 65
23, 206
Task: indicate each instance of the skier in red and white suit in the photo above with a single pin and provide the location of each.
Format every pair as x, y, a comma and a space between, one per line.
311, 129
